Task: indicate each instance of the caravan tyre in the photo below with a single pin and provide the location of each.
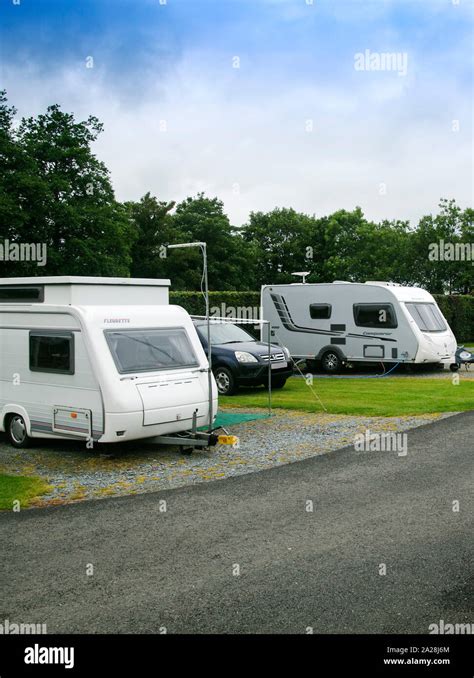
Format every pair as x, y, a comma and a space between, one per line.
331, 362
16, 431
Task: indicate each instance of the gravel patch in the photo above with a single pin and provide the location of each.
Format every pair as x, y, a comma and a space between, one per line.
76, 474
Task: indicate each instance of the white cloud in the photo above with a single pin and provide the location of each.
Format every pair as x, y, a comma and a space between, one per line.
234, 129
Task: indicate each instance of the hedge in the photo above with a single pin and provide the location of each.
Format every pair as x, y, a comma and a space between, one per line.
242, 305
458, 309
459, 312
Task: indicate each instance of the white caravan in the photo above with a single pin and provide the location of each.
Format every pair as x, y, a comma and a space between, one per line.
103, 359
368, 322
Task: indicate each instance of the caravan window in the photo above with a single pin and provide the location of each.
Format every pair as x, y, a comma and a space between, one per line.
320, 311
427, 317
149, 350
52, 352
16, 294
375, 315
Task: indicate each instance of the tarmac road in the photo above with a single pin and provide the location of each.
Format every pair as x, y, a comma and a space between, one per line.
244, 554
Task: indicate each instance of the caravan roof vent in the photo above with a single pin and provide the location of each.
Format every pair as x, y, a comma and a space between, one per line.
342, 282
382, 283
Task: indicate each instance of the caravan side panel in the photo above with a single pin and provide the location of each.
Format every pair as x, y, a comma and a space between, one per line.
308, 334
46, 397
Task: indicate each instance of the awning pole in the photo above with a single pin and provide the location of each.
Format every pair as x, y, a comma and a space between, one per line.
269, 372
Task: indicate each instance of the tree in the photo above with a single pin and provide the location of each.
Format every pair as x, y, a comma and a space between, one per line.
229, 267
284, 242
154, 230
60, 194
21, 190
435, 270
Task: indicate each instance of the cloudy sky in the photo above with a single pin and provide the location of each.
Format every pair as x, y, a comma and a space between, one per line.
263, 103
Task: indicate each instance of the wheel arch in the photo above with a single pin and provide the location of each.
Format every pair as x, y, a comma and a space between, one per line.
9, 409
223, 361
334, 349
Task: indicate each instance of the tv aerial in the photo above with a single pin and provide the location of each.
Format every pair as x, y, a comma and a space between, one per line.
302, 275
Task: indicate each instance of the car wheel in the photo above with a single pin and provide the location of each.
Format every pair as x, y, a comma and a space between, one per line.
16, 431
278, 382
225, 381
331, 362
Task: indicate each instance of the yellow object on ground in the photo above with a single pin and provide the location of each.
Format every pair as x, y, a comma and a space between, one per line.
228, 440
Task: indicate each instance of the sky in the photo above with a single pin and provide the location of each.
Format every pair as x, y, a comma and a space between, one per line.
262, 103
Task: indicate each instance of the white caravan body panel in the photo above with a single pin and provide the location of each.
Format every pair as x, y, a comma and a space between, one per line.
349, 308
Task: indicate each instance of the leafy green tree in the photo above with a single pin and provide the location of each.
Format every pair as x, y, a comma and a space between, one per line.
466, 273
363, 250
284, 242
202, 219
60, 194
154, 228
21, 190
434, 271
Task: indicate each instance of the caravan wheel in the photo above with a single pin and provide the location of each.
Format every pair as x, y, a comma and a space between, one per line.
331, 362
16, 431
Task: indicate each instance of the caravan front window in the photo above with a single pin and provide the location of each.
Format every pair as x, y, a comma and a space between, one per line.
427, 317
149, 350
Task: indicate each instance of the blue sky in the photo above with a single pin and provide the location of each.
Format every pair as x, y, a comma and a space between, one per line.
294, 125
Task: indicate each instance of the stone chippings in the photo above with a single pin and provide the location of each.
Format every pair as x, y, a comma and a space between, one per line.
77, 474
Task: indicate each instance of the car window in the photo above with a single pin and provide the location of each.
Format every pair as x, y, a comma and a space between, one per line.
224, 333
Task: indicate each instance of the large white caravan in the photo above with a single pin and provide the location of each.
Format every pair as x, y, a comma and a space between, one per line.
103, 359
348, 322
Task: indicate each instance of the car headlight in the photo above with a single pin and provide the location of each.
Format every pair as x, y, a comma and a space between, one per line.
244, 357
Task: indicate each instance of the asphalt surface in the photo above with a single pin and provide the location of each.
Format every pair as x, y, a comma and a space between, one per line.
176, 569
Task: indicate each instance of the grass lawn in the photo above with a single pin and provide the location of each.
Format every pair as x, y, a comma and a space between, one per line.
20, 488
375, 397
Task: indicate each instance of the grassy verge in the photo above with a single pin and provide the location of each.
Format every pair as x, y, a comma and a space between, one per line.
20, 488
389, 397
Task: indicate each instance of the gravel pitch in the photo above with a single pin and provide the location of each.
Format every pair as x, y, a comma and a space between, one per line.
76, 474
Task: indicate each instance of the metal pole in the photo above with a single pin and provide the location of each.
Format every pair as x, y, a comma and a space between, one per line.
269, 374
209, 349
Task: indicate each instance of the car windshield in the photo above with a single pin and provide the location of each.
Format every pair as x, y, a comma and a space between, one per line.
427, 317
225, 333
150, 350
